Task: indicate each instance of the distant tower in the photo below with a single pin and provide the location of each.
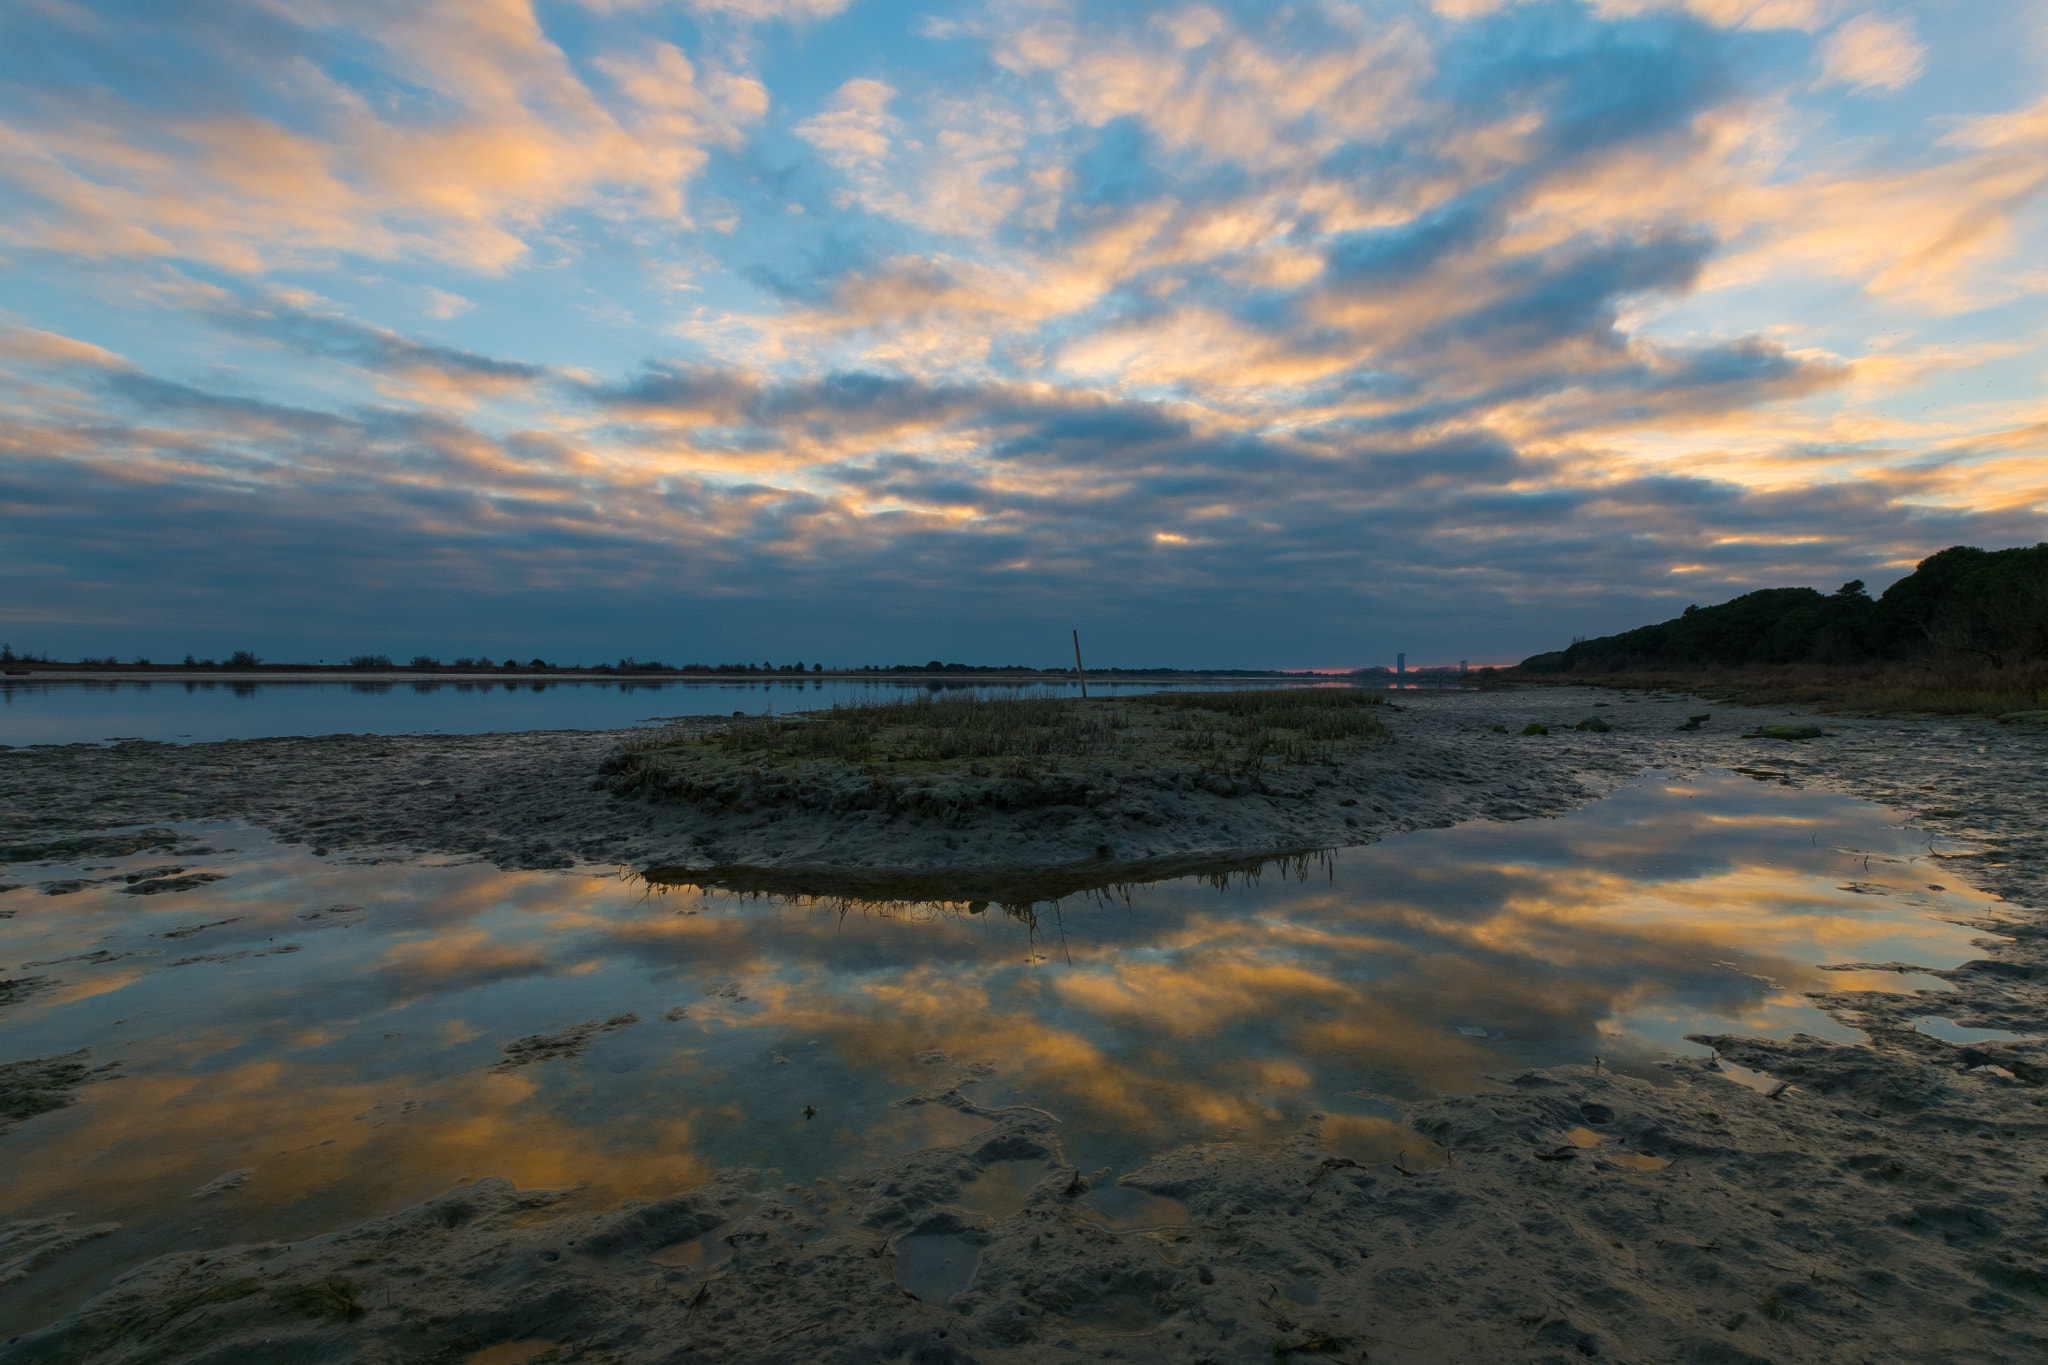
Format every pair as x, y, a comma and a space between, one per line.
1400, 665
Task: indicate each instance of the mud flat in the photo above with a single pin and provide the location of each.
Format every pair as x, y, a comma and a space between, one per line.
545, 799
1798, 1200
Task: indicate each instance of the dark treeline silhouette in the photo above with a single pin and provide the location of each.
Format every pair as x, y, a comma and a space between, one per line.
1962, 607
244, 660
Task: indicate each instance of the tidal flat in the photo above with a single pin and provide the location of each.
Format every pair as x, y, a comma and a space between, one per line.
380, 1049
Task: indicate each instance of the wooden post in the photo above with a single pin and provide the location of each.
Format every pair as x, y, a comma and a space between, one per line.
1079, 671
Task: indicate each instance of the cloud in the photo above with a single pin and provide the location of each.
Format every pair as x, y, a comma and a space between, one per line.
36, 347
501, 135
855, 129
1871, 52
764, 11
444, 305
307, 325
1414, 319
1755, 14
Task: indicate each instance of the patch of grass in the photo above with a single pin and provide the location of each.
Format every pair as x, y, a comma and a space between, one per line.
147, 1320
1292, 725
1877, 689
333, 1298
930, 730
941, 756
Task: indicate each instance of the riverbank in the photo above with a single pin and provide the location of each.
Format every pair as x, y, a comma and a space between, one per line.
1886, 1205
2018, 693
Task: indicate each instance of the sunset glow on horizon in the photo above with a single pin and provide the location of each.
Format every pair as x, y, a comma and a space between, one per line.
1233, 335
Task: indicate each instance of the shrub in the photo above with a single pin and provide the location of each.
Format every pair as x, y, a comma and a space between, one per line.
424, 661
242, 658
369, 661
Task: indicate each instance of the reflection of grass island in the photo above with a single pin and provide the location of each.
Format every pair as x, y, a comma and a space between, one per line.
1016, 892
951, 758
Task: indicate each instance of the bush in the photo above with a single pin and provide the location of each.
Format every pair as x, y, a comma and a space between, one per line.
425, 661
242, 658
369, 661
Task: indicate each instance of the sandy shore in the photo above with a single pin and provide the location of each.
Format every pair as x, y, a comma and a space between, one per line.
1888, 1205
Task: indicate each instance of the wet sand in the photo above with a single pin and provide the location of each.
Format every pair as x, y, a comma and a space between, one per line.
1887, 1204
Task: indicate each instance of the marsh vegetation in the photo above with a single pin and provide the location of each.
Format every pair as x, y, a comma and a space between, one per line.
1002, 751
1913, 689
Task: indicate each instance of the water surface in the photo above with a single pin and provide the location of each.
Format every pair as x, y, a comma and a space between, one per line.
330, 1033
182, 711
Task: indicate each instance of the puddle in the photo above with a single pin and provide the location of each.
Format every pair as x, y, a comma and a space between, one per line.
1950, 1032
350, 1035
935, 1266
1586, 1140
508, 1353
1639, 1161
1128, 1210
1762, 1081
700, 1255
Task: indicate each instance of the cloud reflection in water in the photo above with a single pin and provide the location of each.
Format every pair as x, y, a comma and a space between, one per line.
353, 1074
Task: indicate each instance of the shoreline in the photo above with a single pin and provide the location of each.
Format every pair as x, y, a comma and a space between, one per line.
1888, 1205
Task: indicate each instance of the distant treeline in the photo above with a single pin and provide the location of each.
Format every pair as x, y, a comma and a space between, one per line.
1964, 606
246, 660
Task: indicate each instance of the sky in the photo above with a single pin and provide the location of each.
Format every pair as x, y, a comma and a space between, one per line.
1257, 335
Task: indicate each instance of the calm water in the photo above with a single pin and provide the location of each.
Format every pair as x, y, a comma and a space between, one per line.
181, 711
333, 1028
